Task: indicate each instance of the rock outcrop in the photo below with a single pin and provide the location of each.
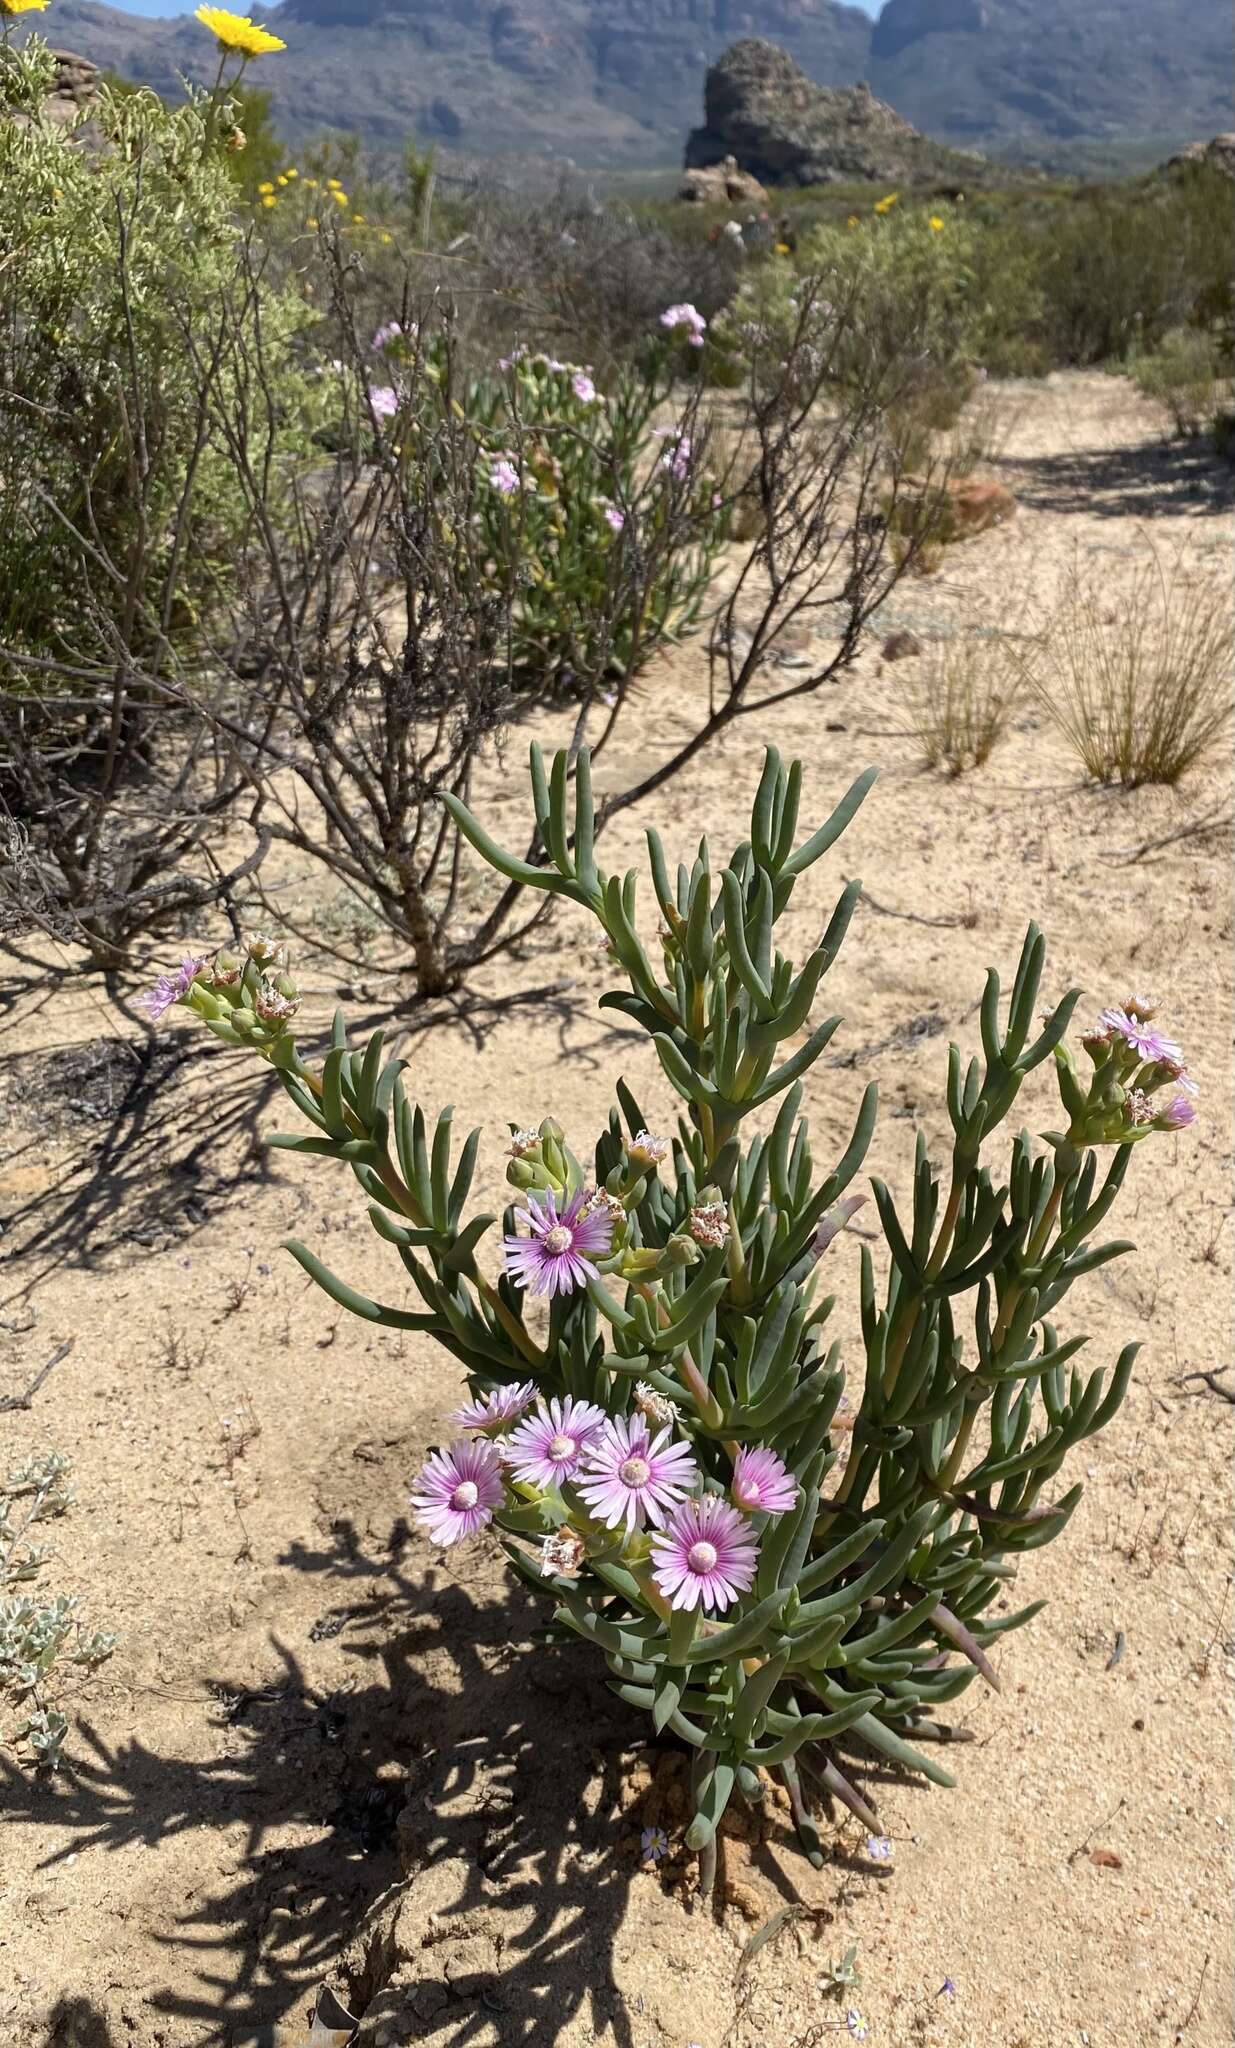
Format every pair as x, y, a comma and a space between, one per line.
75, 89
725, 183
760, 108
1218, 153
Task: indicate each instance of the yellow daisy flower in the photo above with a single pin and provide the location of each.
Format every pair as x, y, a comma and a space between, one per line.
311, 223
236, 32
334, 184
886, 205
935, 224
782, 248
23, 6
359, 219
387, 239
269, 200
310, 184
291, 172
340, 199
280, 180
265, 186
853, 221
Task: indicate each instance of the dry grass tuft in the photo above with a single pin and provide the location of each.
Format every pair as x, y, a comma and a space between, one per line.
1141, 689
960, 698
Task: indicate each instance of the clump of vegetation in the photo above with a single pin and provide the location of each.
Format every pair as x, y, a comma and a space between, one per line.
41, 1637
651, 1419
1141, 690
1190, 376
960, 697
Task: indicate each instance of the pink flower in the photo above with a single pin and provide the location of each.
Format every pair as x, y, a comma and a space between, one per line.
686, 316
583, 388
384, 400
504, 477
553, 1258
455, 1492
1177, 1115
389, 331
762, 1482
492, 1411
615, 518
706, 1556
547, 1448
1137, 1033
676, 458
172, 988
630, 1476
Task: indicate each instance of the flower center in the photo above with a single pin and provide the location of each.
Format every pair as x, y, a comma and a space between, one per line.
701, 1557
561, 1448
465, 1495
635, 1472
558, 1239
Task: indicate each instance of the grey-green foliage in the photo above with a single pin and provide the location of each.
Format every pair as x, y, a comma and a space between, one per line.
38, 1631
878, 1595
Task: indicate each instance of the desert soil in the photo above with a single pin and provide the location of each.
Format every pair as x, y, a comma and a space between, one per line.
323, 1754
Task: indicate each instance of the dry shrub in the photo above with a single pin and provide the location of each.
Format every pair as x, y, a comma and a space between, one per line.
960, 698
1140, 687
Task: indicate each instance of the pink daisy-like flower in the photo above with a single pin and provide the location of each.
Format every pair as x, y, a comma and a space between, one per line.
504, 477
547, 1448
1147, 1043
554, 1258
389, 331
615, 518
762, 1482
706, 1556
170, 988
1177, 1115
456, 1491
583, 388
491, 1412
631, 1477
384, 399
686, 316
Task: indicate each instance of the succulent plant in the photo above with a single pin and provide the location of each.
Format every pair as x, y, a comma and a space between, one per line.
663, 1449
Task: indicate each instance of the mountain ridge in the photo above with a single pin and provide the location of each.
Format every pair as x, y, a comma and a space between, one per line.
619, 82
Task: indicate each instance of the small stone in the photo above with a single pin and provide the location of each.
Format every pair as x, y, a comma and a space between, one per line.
899, 646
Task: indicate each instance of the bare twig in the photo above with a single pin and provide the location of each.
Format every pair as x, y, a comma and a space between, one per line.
26, 1400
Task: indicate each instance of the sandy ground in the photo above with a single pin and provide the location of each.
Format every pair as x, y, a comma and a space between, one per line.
319, 1755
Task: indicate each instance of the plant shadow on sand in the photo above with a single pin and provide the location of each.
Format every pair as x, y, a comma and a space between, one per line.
438, 1759
1137, 482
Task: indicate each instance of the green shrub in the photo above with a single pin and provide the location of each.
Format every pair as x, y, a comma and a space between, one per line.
1189, 377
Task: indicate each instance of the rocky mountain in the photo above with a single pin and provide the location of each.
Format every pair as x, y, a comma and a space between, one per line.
618, 81
761, 109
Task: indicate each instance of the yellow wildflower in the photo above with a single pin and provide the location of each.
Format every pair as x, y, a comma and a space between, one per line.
384, 237
359, 219
311, 223
885, 205
340, 199
280, 180
291, 172
782, 248
269, 200
237, 32
310, 184
935, 224
853, 221
334, 184
23, 6
265, 186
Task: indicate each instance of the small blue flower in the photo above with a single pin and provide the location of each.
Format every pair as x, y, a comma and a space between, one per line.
653, 1844
947, 1989
879, 1848
855, 2023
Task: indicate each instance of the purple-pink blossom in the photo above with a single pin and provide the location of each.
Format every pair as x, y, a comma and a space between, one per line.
762, 1483
170, 988
676, 458
390, 330
1139, 1035
491, 1411
686, 316
630, 1477
1177, 1115
583, 388
547, 1447
615, 518
504, 477
705, 1556
556, 1256
384, 400
456, 1491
